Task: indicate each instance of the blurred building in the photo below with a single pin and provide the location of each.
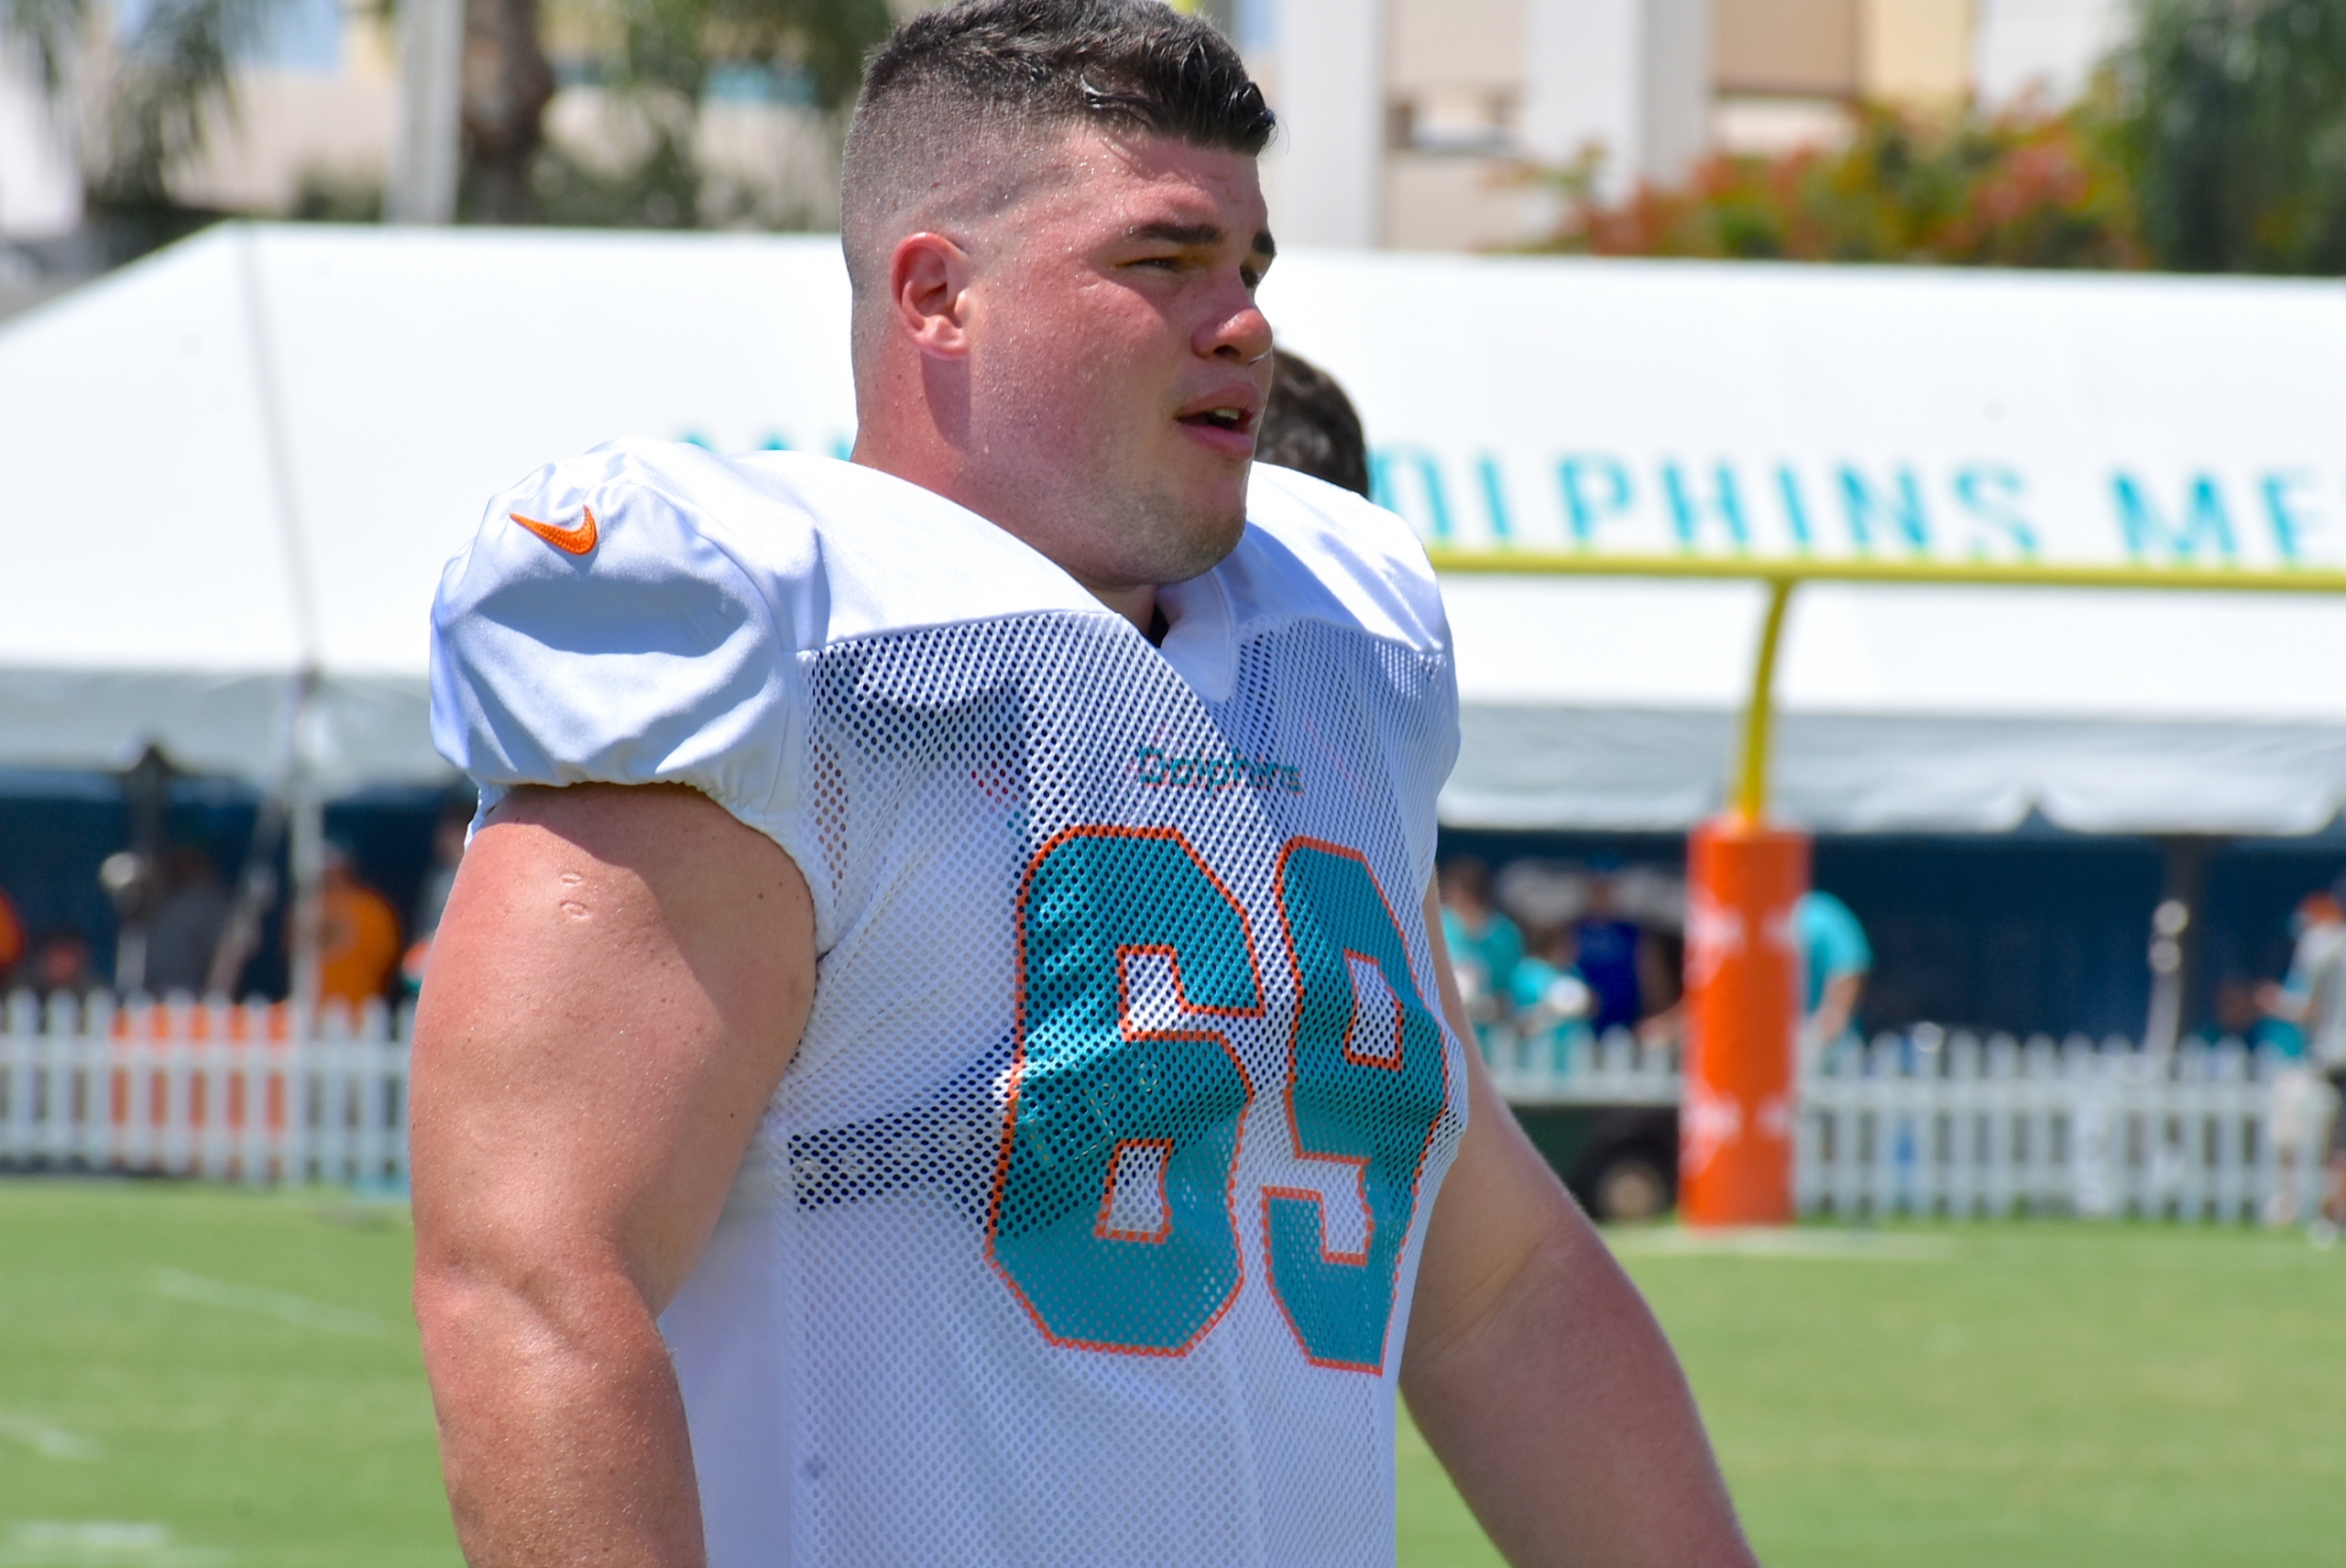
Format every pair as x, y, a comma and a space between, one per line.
315, 101
312, 124
1409, 121
314, 96
39, 195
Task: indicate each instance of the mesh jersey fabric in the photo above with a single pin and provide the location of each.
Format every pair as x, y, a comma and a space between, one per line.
1083, 1228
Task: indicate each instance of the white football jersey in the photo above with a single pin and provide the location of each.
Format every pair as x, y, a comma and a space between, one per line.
1084, 1227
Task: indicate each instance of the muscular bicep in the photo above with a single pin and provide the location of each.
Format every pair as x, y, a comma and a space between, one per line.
617, 984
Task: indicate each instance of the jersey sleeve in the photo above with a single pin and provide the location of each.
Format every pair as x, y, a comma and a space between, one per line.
603, 628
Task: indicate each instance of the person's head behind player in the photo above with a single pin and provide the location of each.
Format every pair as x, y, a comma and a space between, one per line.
1312, 427
1053, 230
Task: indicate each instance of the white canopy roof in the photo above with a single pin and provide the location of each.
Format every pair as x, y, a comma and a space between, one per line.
254, 452
251, 453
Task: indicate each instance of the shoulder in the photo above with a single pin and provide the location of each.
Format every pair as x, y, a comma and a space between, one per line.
627, 616
632, 530
1823, 909
636, 614
1832, 925
1313, 549
814, 549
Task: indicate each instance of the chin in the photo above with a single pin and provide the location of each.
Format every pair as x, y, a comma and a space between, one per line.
1220, 514
1215, 543
1191, 545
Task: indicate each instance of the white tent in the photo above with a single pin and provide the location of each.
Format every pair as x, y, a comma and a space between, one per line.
247, 457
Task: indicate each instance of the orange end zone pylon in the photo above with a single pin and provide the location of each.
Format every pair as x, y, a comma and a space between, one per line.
1735, 1127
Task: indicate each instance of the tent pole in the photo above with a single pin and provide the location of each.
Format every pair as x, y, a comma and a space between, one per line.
305, 843
306, 852
1759, 714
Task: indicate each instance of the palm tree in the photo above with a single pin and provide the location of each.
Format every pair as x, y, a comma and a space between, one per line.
161, 84
507, 86
171, 75
667, 52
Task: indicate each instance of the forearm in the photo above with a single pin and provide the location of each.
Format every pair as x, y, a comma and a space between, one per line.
562, 1433
1563, 1418
1536, 1371
1837, 1006
2278, 1002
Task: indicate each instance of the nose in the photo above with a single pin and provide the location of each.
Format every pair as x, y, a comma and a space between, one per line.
1241, 333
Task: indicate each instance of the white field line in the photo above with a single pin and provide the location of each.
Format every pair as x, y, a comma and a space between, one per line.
99, 1543
50, 1443
298, 1310
1820, 1245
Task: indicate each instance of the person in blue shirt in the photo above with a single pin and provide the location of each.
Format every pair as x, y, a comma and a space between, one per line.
1621, 968
1835, 960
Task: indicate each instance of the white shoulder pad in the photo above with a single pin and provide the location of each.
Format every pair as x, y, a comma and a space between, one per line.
1316, 548
629, 616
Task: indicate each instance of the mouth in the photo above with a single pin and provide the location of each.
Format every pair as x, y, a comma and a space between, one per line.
1235, 418
1224, 422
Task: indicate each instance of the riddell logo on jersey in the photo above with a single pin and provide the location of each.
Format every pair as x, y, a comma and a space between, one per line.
1157, 770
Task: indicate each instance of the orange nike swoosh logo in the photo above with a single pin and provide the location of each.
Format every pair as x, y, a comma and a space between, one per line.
578, 539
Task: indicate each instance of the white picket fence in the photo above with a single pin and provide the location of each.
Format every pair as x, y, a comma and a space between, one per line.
1571, 1067
1930, 1123
238, 1093
1924, 1123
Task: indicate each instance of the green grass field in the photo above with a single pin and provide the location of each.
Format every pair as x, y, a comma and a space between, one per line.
200, 1378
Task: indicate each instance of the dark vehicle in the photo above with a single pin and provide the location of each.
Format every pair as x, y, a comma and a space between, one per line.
1619, 1160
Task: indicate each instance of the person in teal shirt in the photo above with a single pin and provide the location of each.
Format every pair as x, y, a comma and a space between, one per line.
1835, 960
1552, 1004
1484, 945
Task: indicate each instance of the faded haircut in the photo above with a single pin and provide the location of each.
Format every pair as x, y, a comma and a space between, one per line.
954, 97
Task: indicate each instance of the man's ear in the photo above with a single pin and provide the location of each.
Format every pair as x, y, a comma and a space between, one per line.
928, 279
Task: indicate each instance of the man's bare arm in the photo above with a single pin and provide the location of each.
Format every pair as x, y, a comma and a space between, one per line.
1839, 1005
1538, 1375
618, 982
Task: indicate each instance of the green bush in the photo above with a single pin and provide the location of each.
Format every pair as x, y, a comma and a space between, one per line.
2024, 189
2213, 140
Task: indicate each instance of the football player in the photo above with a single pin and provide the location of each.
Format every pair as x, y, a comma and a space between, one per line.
940, 1051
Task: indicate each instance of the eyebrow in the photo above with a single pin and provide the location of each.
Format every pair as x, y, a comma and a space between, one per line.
1198, 234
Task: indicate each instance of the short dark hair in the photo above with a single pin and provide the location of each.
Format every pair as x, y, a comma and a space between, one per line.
1310, 426
1138, 64
1466, 874
952, 83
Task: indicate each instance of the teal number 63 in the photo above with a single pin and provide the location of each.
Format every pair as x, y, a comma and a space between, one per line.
1095, 1096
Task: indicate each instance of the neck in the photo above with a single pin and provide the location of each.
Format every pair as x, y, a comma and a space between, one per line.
1135, 605
915, 452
